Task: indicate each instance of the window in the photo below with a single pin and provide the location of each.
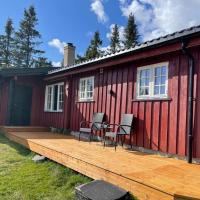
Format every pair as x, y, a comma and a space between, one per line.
152, 81
86, 88
61, 97
54, 97
49, 95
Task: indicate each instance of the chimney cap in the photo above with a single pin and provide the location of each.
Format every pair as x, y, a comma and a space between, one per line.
70, 44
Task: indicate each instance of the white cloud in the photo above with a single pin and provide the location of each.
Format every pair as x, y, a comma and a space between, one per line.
98, 8
56, 64
160, 17
57, 44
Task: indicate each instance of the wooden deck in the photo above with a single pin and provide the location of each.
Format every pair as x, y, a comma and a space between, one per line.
146, 176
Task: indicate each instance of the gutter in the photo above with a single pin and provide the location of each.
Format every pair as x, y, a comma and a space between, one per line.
190, 101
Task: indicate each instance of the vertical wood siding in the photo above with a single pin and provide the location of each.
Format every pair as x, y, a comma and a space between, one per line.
55, 119
159, 125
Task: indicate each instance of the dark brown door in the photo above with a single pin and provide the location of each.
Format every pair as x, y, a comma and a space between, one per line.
21, 106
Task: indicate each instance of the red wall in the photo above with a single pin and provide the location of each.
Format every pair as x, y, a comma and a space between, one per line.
36, 83
38, 116
160, 124
53, 119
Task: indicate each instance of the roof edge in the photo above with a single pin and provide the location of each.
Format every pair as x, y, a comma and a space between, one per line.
189, 32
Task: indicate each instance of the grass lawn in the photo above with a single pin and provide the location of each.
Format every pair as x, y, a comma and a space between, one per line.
22, 179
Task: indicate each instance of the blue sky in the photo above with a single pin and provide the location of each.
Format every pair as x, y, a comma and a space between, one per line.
75, 21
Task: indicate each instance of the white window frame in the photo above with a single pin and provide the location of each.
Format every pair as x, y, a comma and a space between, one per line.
46, 97
151, 94
86, 98
46, 109
58, 97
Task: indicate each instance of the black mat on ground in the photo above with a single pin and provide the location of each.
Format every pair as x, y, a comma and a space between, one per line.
100, 190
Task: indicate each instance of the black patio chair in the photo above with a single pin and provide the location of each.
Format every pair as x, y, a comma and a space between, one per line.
123, 129
96, 125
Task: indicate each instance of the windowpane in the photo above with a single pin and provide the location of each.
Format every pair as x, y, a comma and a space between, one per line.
83, 85
162, 89
157, 80
89, 82
147, 82
147, 72
144, 91
89, 94
142, 82
143, 74
86, 88
160, 80
60, 105
54, 97
158, 71
89, 85
156, 90
163, 79
61, 97
163, 71
152, 81
49, 97
82, 95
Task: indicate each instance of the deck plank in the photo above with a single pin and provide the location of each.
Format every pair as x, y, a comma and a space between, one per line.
146, 176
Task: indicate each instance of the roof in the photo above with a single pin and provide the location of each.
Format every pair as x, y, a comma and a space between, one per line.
170, 38
7, 72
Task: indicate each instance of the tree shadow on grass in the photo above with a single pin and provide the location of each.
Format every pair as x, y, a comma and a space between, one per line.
18, 147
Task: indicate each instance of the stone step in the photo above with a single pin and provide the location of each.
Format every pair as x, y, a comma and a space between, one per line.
100, 190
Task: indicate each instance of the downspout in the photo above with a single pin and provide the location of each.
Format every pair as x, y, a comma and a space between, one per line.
190, 102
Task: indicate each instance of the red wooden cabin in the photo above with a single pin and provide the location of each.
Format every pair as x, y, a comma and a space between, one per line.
151, 80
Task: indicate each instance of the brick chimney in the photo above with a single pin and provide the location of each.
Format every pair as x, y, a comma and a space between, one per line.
69, 54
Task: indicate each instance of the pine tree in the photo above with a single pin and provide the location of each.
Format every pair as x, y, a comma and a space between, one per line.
93, 50
80, 58
1, 50
27, 40
7, 45
115, 41
42, 62
131, 33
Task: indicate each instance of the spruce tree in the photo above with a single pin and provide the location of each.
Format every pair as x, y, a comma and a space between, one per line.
131, 33
27, 40
93, 50
1, 50
7, 45
80, 58
42, 62
114, 41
